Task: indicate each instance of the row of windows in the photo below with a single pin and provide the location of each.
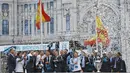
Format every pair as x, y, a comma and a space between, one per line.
5, 26
5, 6
28, 7
26, 26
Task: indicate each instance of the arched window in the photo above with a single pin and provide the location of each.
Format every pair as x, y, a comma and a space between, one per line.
52, 25
35, 27
30, 27
26, 7
30, 6
5, 6
47, 5
35, 7
18, 8
5, 27
22, 8
68, 22
51, 4
48, 28
18, 27
22, 27
5, 9
42, 27
26, 27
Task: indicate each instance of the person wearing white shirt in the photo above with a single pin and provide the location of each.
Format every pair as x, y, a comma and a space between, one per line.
19, 63
75, 63
40, 61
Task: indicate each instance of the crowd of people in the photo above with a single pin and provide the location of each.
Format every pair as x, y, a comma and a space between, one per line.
63, 61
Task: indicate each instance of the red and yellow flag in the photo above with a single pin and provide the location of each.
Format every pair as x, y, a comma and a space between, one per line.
101, 35
45, 17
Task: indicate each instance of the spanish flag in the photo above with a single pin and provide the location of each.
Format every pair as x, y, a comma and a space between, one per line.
45, 17
101, 34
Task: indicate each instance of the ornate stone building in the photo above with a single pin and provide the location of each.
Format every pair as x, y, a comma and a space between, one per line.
70, 20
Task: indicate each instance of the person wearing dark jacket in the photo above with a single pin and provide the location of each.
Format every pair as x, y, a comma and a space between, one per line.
11, 61
84, 63
123, 66
117, 63
48, 64
34, 61
105, 67
57, 62
64, 63
30, 62
90, 66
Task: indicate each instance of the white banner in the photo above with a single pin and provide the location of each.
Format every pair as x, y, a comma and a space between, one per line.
53, 46
64, 45
26, 47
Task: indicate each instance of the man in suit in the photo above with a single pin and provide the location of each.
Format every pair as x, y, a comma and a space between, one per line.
48, 64
84, 62
11, 61
58, 62
64, 55
117, 63
106, 65
30, 62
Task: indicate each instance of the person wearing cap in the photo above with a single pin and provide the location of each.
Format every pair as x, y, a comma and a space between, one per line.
11, 61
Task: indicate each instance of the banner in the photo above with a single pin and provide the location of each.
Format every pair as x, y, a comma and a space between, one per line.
64, 45
53, 46
26, 47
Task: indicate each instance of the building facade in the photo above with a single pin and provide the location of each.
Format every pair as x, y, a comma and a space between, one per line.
70, 20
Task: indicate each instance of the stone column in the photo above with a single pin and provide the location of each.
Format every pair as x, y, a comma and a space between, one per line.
28, 18
15, 16
11, 24
59, 16
19, 18
55, 17
0, 19
32, 20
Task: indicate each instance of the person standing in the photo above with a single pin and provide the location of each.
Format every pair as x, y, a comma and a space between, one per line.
34, 61
30, 63
48, 62
84, 62
110, 56
90, 66
19, 63
105, 67
40, 62
65, 54
75, 63
57, 63
11, 61
119, 64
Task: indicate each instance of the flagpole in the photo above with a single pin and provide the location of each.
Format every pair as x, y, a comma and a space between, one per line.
96, 27
41, 24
